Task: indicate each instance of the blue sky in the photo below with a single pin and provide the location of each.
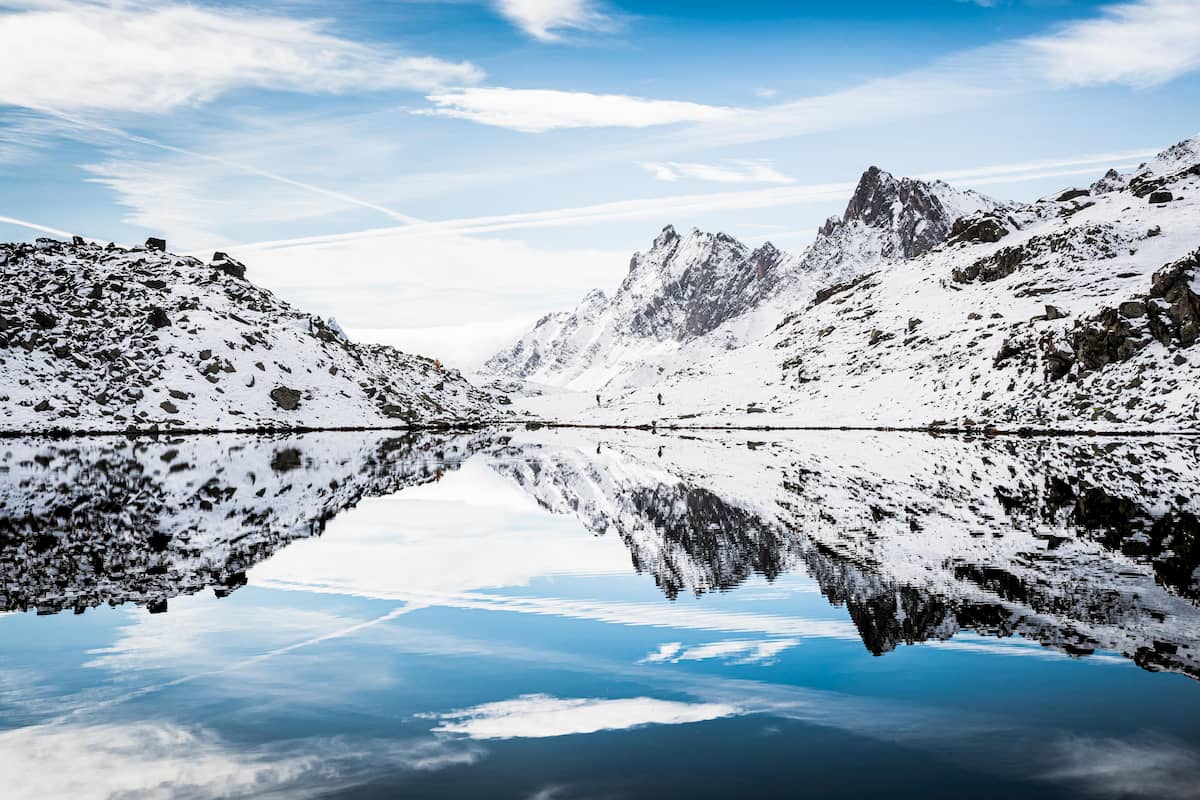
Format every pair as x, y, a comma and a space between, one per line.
437, 174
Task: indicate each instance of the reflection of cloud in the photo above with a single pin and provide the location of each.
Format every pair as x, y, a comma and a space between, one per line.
145, 759
539, 715
734, 650
1152, 767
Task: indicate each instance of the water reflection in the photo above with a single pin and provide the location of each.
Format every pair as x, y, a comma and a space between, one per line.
443, 615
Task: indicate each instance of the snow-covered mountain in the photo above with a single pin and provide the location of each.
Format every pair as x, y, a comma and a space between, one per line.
103, 338
1078, 544
692, 294
1078, 311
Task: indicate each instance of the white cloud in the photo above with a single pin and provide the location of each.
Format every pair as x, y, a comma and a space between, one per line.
544, 20
1139, 44
738, 171
136, 56
462, 346
540, 110
766, 92
538, 716
161, 759
736, 651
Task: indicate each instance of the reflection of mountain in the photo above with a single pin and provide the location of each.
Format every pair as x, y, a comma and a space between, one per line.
1081, 545
85, 522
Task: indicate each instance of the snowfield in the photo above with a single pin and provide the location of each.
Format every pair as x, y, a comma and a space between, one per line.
101, 338
1077, 312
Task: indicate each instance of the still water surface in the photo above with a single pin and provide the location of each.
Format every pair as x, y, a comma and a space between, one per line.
541, 614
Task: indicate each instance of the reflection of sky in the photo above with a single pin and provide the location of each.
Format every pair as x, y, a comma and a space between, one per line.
455, 636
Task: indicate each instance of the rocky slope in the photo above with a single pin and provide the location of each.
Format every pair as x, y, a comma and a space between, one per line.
692, 294
102, 338
1079, 545
1077, 312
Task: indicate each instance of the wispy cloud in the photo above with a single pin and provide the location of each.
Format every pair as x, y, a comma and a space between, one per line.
142, 759
683, 205
540, 110
1139, 44
737, 171
1152, 766
540, 716
144, 57
547, 20
736, 651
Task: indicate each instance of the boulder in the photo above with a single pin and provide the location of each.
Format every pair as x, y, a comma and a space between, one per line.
979, 228
158, 317
1161, 196
1132, 309
223, 262
286, 398
1071, 194
154, 243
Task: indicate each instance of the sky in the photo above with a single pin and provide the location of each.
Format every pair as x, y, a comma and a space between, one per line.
439, 174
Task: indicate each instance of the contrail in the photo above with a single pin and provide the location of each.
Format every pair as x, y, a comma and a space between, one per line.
237, 165
658, 207
34, 226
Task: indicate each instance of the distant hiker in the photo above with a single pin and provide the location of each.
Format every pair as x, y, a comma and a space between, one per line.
597, 448
660, 398
660, 451
597, 401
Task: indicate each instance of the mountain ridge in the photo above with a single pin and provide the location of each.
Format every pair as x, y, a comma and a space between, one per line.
685, 287
1075, 312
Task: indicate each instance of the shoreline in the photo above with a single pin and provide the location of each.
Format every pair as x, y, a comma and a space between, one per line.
1025, 432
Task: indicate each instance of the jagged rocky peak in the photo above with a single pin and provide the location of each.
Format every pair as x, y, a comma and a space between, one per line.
672, 256
919, 214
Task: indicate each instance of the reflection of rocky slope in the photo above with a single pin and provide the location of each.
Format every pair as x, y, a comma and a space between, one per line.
687, 537
103, 338
85, 522
1080, 545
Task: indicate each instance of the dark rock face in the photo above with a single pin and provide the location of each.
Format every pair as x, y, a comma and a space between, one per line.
154, 243
1087, 243
286, 398
1071, 194
1187, 163
726, 280
905, 205
1174, 309
222, 262
986, 228
1169, 313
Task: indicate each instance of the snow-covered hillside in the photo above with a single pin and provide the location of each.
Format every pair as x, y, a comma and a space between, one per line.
1078, 544
1079, 311
694, 294
102, 338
